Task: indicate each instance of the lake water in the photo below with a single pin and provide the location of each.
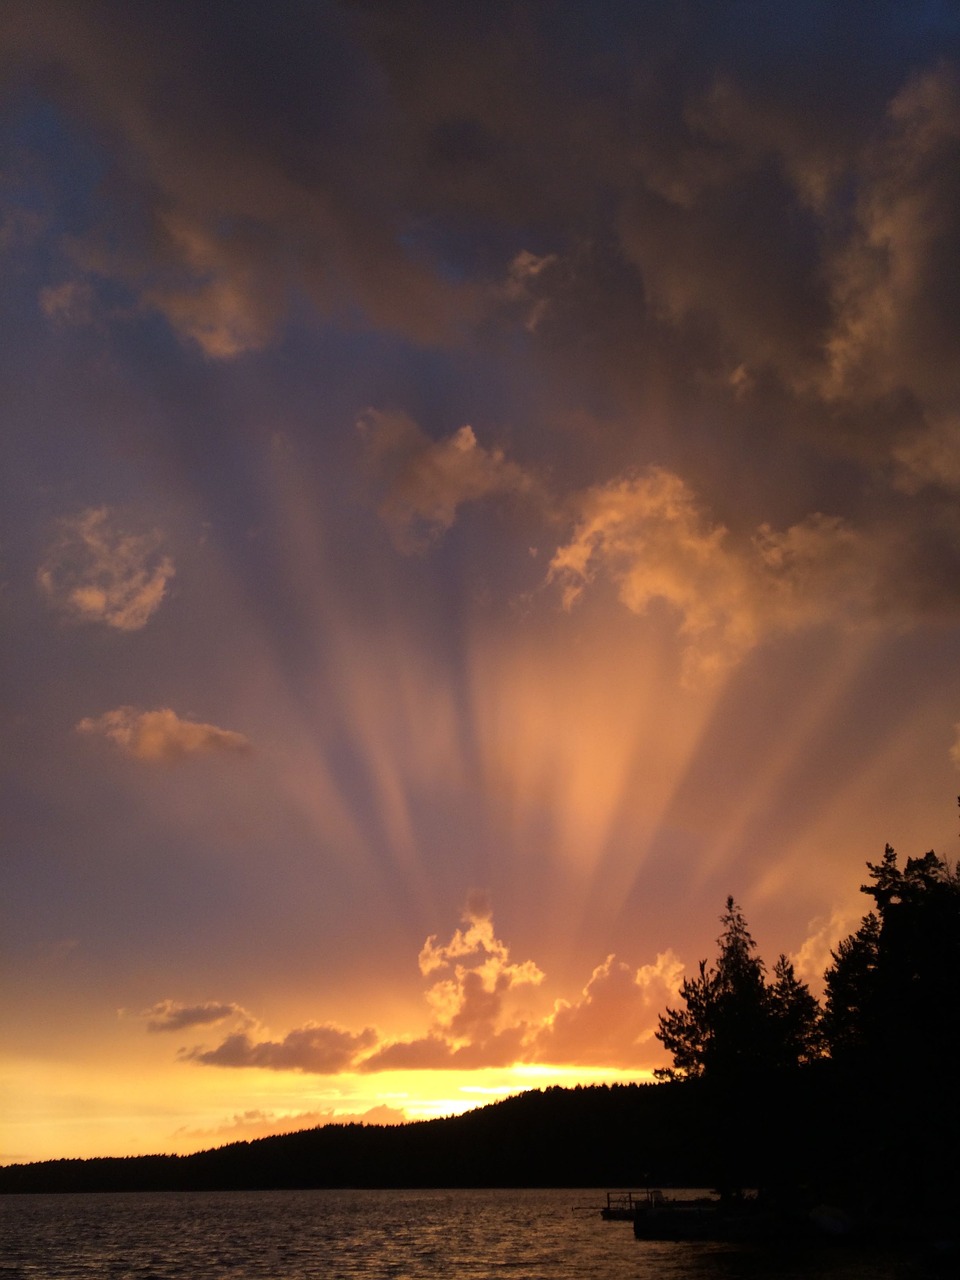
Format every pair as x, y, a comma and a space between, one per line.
376, 1235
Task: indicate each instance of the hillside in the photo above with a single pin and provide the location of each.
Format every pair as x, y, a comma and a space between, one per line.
597, 1136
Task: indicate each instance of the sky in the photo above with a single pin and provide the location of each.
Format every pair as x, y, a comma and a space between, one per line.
478, 485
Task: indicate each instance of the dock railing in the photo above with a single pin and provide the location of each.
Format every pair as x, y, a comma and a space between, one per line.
624, 1204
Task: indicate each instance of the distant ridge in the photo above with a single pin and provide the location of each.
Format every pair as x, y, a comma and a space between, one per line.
817, 1133
556, 1137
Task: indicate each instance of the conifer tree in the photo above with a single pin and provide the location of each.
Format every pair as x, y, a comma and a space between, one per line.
892, 993
734, 1024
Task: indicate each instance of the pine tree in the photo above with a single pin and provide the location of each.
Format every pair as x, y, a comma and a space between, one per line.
798, 1033
892, 995
733, 1024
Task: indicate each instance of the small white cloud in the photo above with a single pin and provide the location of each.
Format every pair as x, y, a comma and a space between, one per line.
96, 571
162, 735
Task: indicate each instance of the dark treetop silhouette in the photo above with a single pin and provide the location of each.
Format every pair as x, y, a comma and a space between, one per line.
734, 1021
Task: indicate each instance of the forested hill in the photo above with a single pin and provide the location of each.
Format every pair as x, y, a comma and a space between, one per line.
580, 1136
798, 1129
558, 1137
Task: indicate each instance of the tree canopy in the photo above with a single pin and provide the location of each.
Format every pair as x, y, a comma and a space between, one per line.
891, 992
734, 1022
892, 1000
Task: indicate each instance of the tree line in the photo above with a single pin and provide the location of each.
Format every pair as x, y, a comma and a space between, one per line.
854, 1100
891, 1003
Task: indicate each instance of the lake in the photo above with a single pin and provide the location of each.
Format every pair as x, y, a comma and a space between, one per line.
376, 1235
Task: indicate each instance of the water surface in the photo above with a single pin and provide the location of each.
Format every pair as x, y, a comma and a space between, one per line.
375, 1235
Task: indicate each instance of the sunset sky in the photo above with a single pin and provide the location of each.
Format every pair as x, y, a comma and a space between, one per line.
479, 486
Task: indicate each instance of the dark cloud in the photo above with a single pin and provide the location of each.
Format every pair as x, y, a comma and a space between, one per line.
427, 481
253, 157
436, 1053
319, 1049
170, 1015
779, 192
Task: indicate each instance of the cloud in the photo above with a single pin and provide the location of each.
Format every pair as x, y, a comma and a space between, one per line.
648, 533
929, 455
95, 571
428, 480
230, 306
69, 302
435, 1052
814, 957
317, 1048
161, 735
895, 318
469, 1003
228, 203
615, 1019
473, 1024
255, 1123
524, 287
171, 1015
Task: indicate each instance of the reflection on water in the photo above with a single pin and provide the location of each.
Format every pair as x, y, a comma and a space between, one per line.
410, 1235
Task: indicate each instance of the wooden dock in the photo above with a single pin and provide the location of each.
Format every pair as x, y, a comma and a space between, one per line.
622, 1206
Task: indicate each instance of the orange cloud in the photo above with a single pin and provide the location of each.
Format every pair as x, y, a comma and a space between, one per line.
256, 1123
96, 571
522, 287
468, 1005
614, 1020
155, 736
649, 534
814, 956
428, 480
610, 1025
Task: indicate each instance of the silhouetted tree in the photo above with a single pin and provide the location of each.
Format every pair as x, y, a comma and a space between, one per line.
851, 1000
797, 1031
892, 991
734, 1024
